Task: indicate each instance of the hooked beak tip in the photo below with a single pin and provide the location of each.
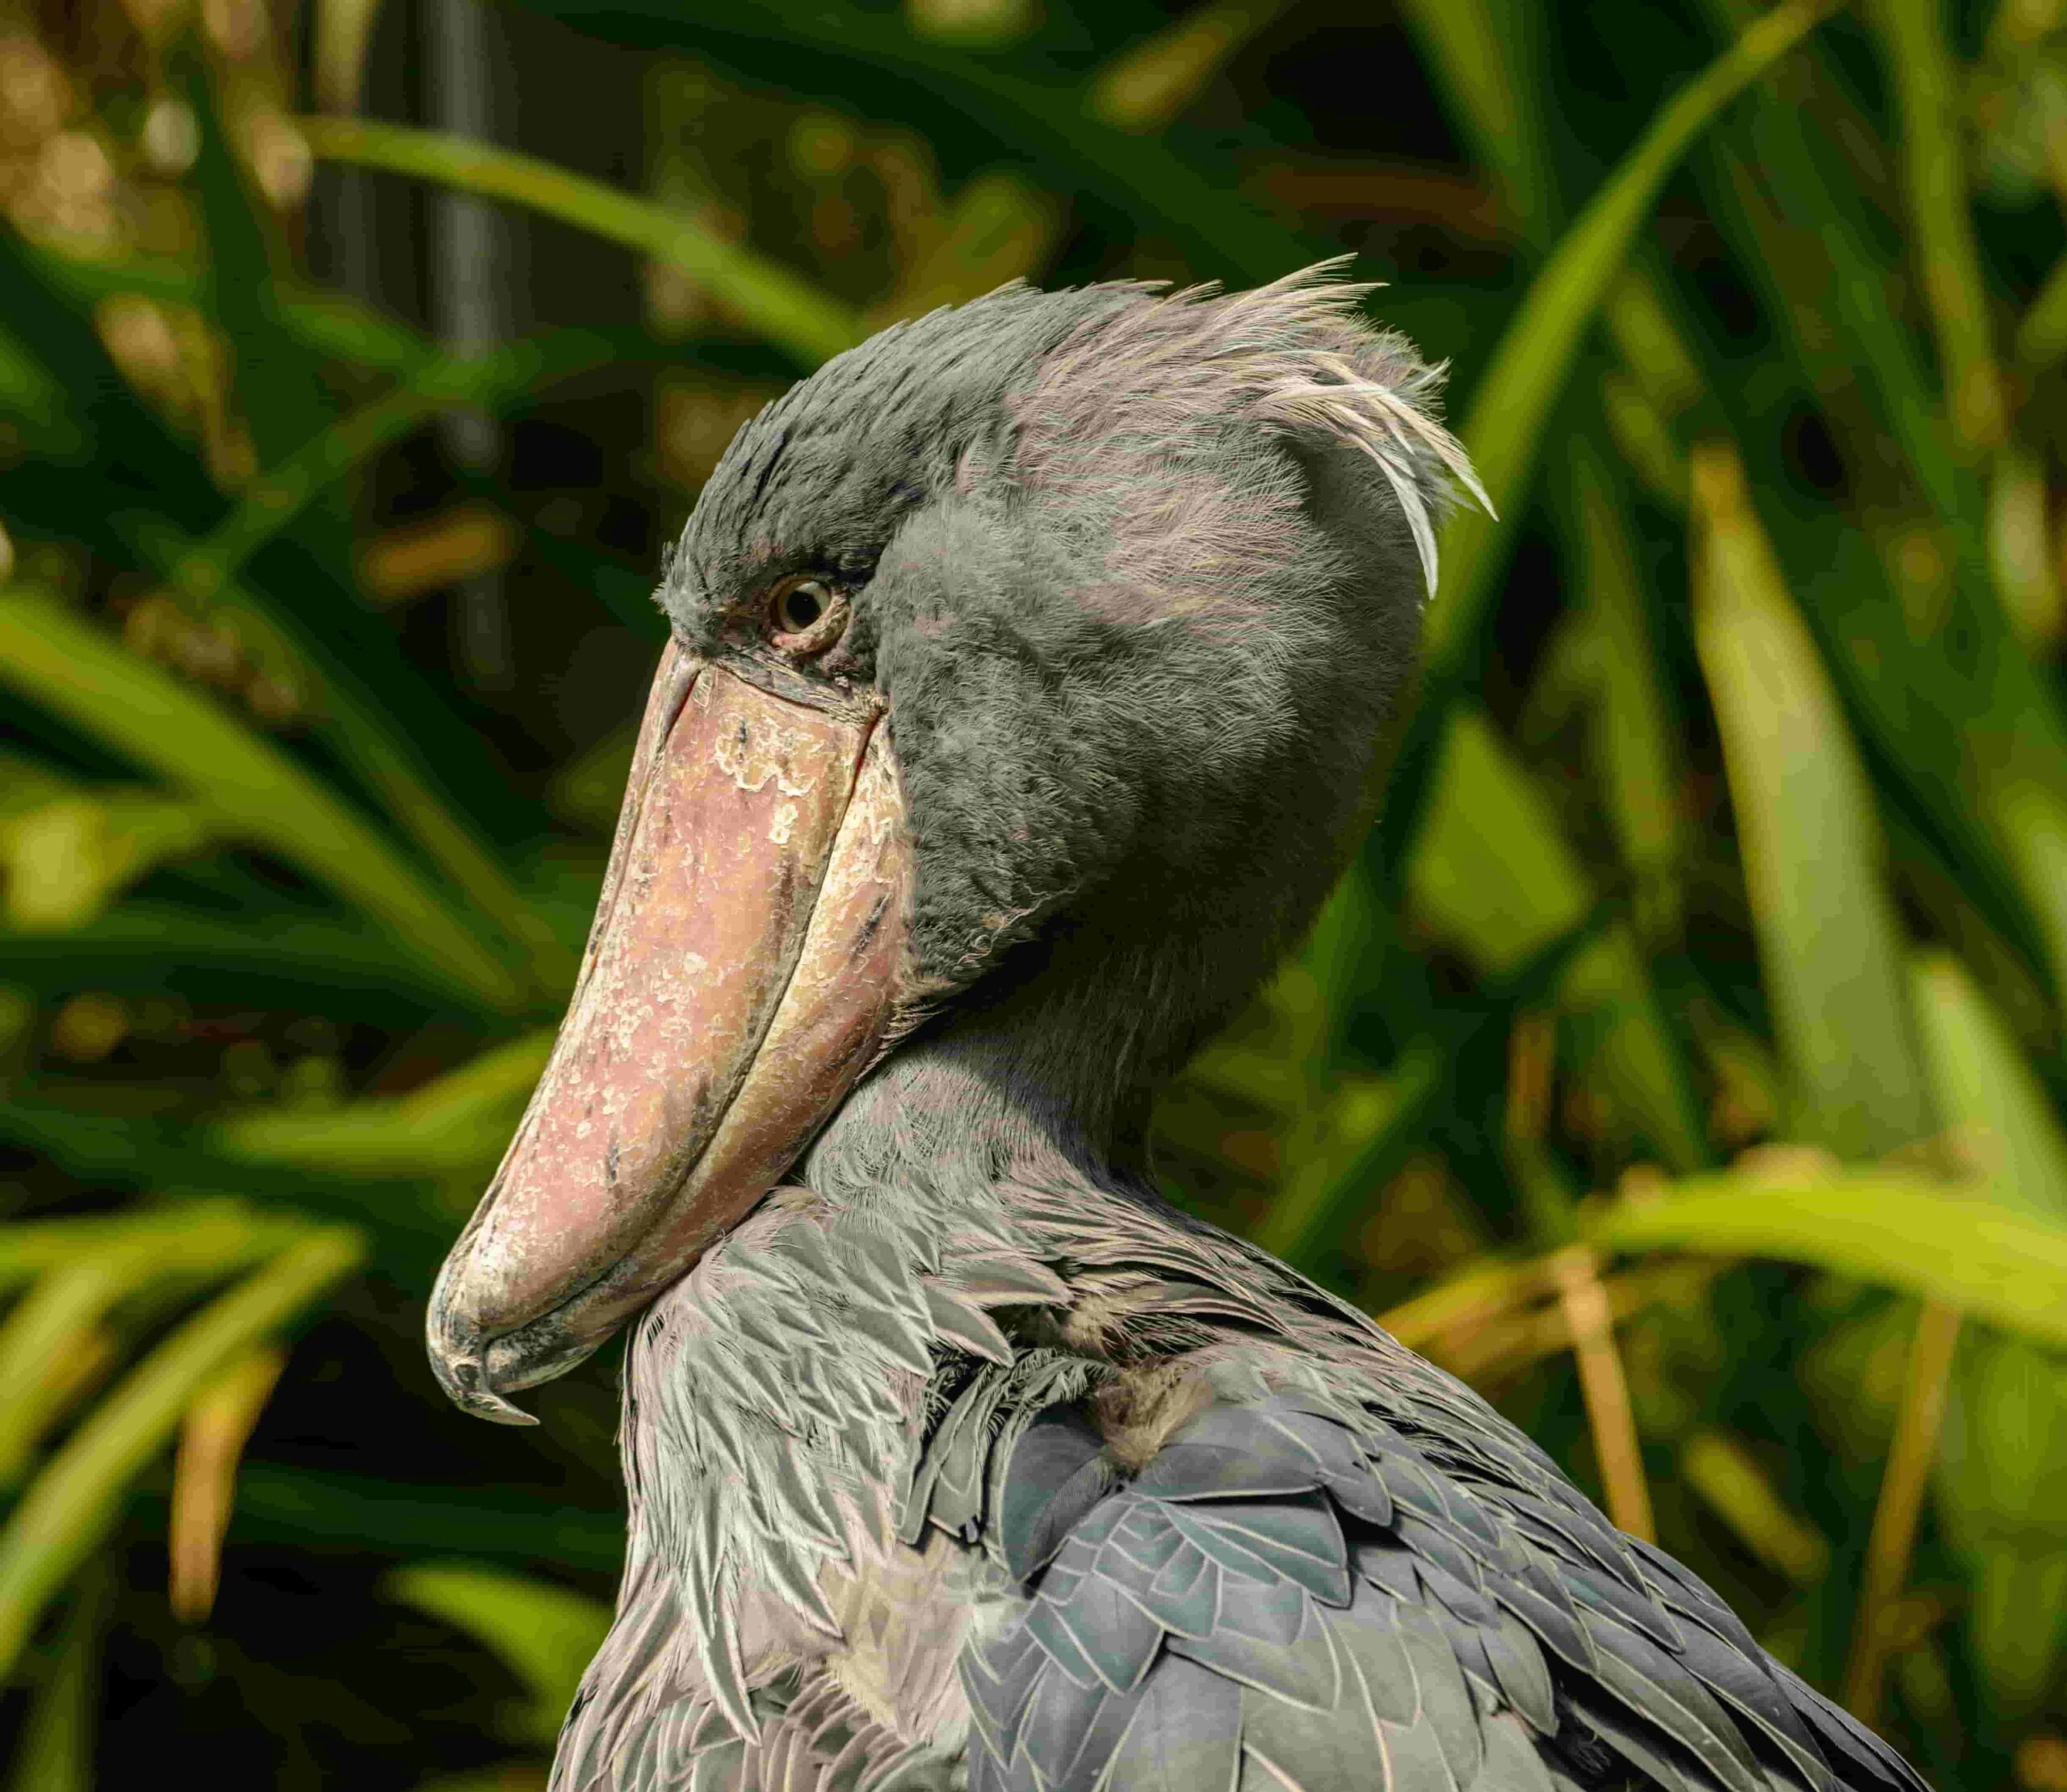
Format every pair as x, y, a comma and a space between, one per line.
457, 1355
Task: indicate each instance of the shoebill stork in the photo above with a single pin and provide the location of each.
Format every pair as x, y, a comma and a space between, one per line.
1027, 668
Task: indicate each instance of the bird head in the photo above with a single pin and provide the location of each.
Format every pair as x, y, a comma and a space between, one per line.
1049, 638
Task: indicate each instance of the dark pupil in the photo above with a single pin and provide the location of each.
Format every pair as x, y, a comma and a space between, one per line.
803, 608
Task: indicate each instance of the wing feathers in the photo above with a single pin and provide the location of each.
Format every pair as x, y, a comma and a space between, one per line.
1283, 1600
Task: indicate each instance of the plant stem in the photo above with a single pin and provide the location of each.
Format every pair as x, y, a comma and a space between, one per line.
1918, 1423
1605, 1389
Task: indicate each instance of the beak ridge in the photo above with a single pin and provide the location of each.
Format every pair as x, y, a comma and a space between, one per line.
748, 960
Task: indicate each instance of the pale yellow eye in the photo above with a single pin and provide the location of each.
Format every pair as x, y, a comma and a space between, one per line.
800, 605
806, 615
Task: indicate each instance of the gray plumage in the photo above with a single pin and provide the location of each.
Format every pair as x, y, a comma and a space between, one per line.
964, 1461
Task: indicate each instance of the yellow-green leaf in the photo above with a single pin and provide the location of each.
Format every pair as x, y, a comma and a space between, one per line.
69, 1506
1503, 427
146, 714
784, 307
1828, 941
461, 1122
1885, 1226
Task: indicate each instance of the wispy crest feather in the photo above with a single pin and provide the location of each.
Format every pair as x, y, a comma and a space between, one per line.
1295, 355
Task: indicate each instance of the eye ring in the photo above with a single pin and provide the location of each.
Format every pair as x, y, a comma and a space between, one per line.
805, 615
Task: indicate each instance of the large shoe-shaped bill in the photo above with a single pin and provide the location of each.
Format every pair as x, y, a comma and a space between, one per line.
747, 963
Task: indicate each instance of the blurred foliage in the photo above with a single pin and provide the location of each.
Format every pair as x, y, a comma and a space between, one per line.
1681, 1062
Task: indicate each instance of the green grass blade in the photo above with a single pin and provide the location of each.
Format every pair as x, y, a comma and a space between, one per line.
457, 1123
340, 966
145, 715
1927, 84
51, 1329
145, 496
547, 1634
1982, 1081
205, 574
1635, 750
71, 1504
1511, 402
782, 307
56, 1745
1814, 862
203, 1240
2007, 1447
279, 385
1881, 1227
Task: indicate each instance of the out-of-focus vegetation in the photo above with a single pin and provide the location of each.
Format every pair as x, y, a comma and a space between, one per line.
1681, 1064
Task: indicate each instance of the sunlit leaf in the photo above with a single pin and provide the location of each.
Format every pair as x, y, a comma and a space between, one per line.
344, 31
459, 1122
786, 308
1885, 1227
70, 1505
1813, 863
55, 659
2004, 1451
1510, 404
2021, 547
64, 861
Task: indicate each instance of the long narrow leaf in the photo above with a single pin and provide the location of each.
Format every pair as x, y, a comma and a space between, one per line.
202, 1240
782, 306
147, 715
1878, 1226
1813, 863
546, 1634
1511, 404
460, 1121
145, 946
72, 1502
1926, 83
1981, 1080
2006, 1446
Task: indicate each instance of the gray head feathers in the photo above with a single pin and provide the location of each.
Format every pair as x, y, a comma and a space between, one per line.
1293, 355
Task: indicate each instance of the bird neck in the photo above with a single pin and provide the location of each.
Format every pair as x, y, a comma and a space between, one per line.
1049, 1068
981, 1099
